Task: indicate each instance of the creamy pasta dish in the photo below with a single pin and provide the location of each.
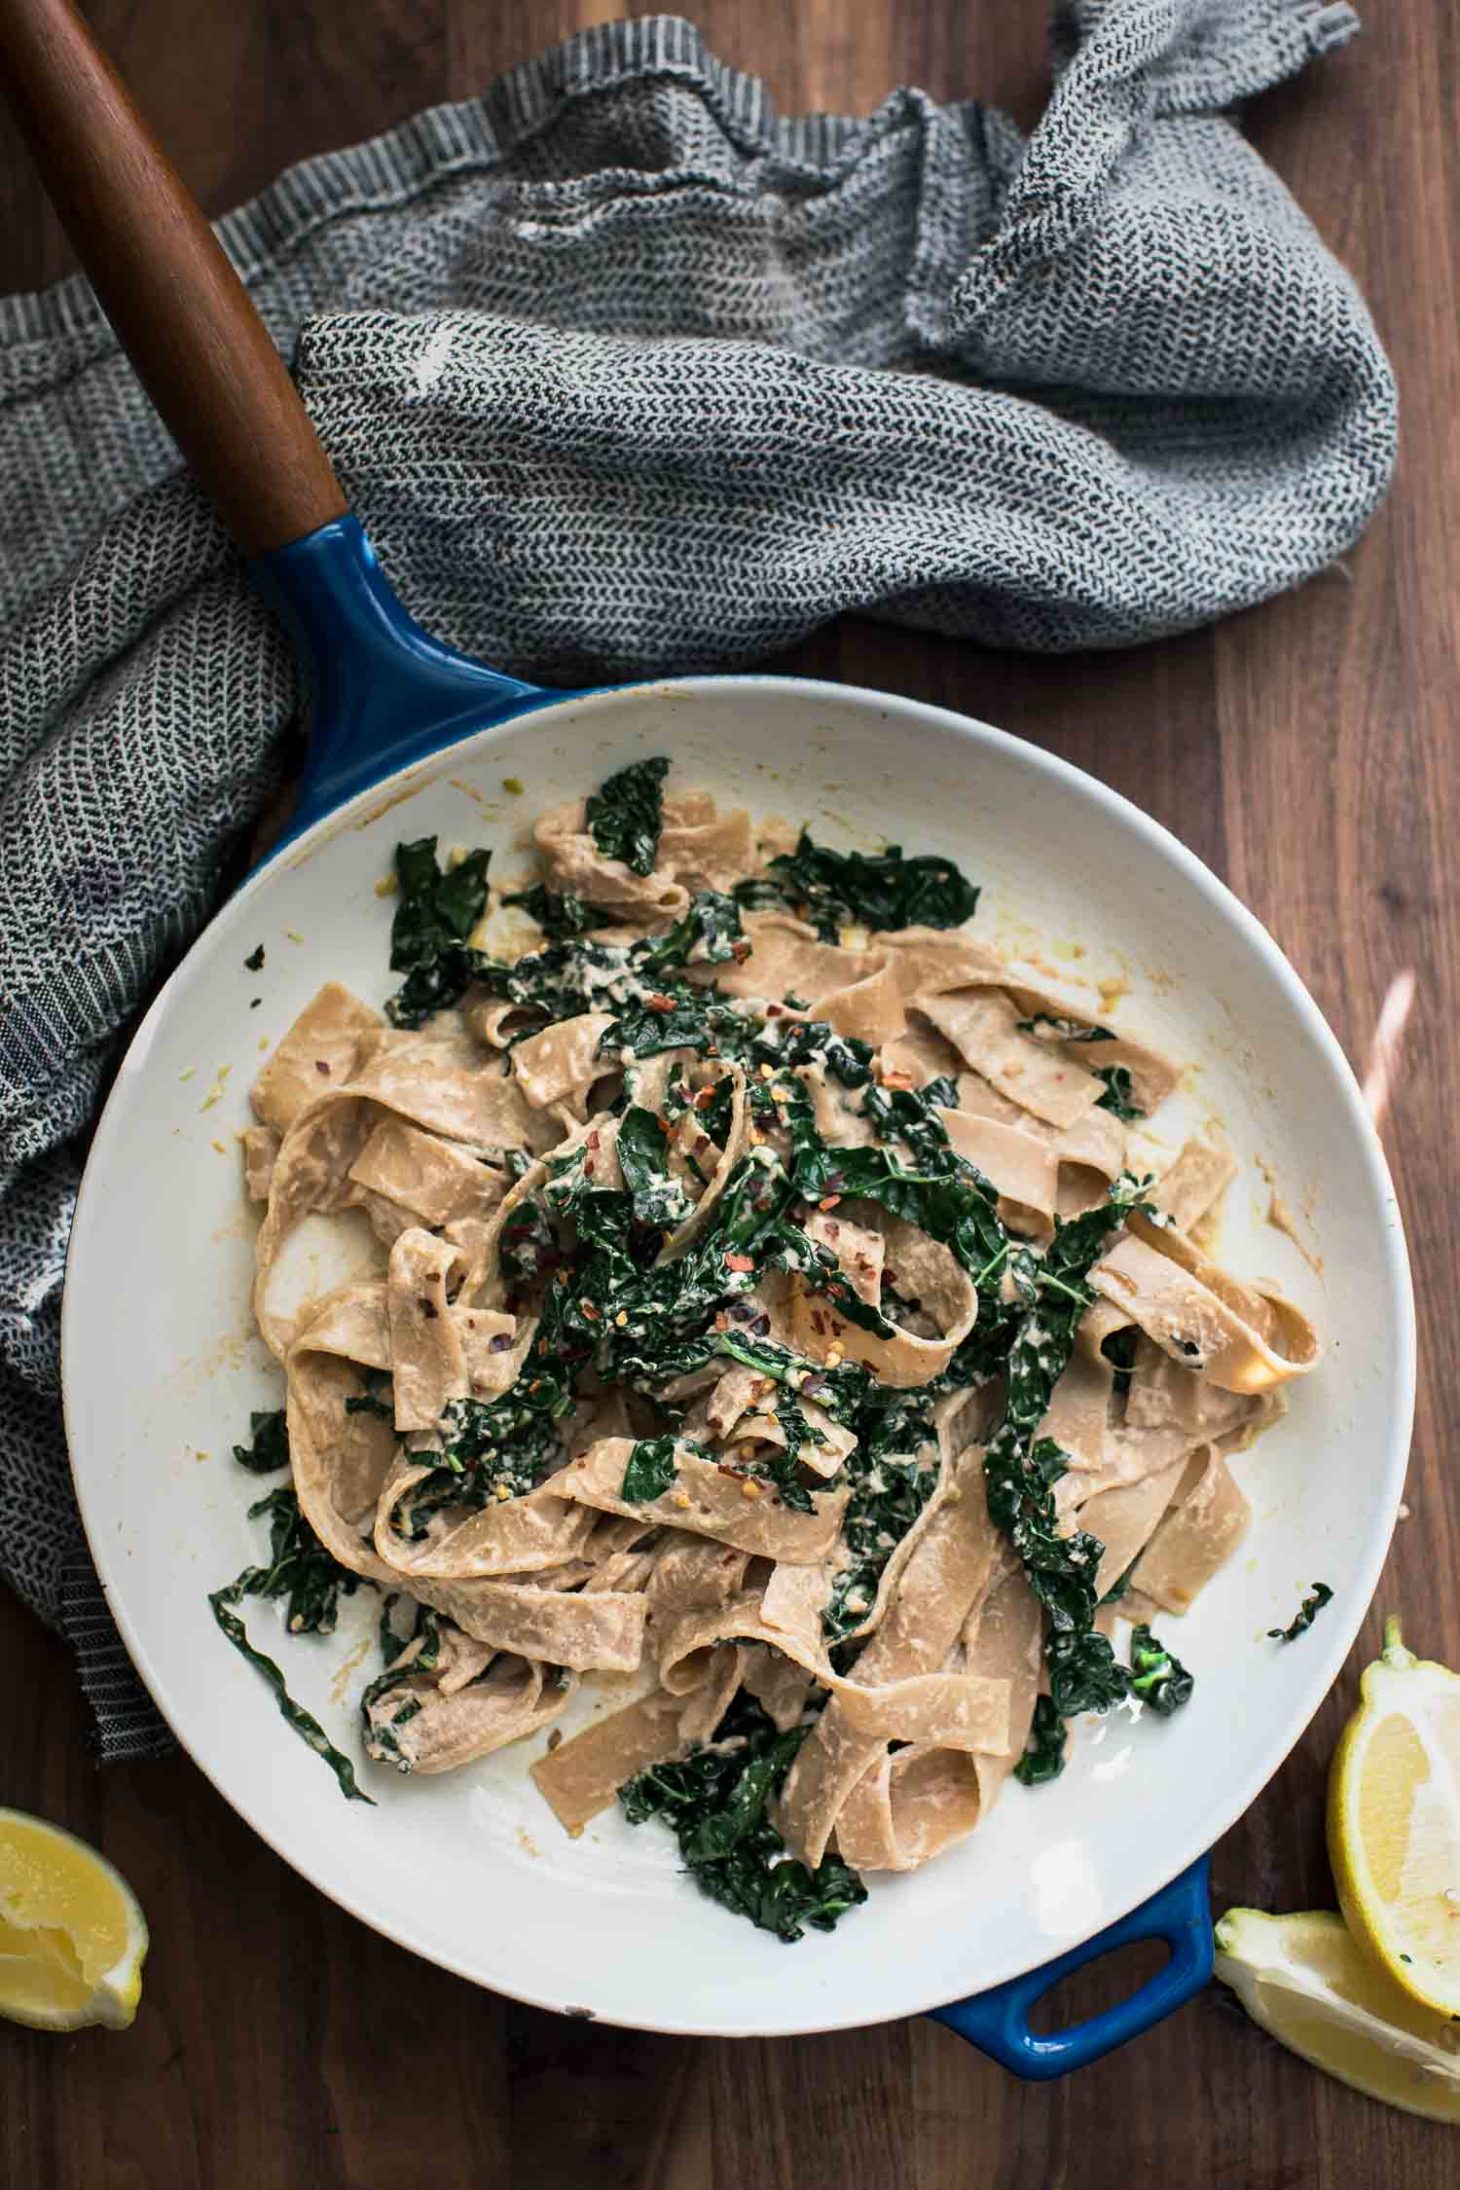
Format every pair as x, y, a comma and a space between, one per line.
780, 1315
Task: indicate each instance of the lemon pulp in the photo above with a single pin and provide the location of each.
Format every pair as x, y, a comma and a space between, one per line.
72, 1937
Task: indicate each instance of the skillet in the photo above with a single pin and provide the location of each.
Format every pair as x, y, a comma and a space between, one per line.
410, 737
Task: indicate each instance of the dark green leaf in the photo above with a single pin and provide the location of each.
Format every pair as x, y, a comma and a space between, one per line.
626, 815
1044, 1751
376, 1399
1157, 1676
1119, 1349
1119, 1093
270, 1446
436, 913
1021, 1468
715, 1801
710, 934
1306, 1614
302, 1570
651, 1469
559, 917
881, 891
643, 1154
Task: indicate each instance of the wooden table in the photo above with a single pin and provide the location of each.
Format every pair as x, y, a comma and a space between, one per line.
1306, 751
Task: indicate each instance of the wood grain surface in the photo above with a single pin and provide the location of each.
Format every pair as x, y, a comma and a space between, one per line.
1306, 750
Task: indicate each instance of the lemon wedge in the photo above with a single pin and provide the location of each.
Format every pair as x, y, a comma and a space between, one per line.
1304, 1979
1394, 1822
72, 1938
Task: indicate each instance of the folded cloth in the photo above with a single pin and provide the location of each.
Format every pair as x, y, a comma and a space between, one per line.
626, 375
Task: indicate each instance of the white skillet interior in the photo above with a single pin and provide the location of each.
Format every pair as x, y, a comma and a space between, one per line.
161, 1369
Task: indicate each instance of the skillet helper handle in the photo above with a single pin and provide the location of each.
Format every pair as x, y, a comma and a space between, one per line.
997, 2022
180, 311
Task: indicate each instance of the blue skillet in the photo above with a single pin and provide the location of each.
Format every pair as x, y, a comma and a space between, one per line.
382, 691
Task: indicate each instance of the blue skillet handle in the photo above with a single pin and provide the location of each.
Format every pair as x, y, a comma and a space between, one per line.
382, 691
997, 2022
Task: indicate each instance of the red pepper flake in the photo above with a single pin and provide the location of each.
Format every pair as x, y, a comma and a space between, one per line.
704, 1098
740, 949
659, 1002
828, 1201
589, 1311
739, 1262
775, 1011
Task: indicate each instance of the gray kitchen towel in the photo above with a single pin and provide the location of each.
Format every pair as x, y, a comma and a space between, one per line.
625, 374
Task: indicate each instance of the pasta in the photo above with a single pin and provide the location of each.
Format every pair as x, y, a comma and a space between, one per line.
771, 1314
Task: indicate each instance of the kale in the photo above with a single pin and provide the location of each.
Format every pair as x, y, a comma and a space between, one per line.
1051, 1028
1306, 1614
1119, 1349
626, 815
1044, 1751
710, 934
528, 1246
891, 1481
715, 1801
270, 1444
1157, 1675
379, 1736
437, 911
840, 1391
1119, 1093
651, 1469
813, 1042
1120, 1585
574, 974
780, 1466
910, 1115
559, 916
255, 959
496, 1449
301, 1570
513, 1441
944, 1197
643, 1152
561, 980
716, 1114
374, 1399
677, 1016
1021, 1469
883, 891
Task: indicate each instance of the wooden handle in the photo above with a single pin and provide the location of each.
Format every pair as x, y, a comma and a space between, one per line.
180, 311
